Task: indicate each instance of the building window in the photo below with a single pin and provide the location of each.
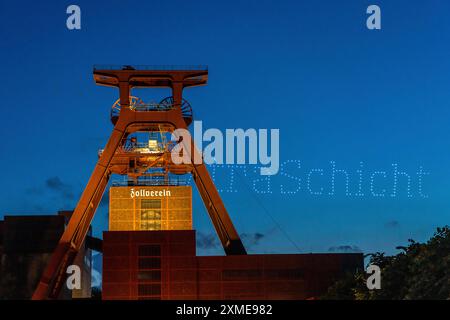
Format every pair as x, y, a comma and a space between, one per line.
151, 290
149, 250
242, 275
149, 271
150, 275
149, 263
284, 274
150, 214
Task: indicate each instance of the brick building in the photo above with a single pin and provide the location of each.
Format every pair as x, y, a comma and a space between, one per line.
160, 262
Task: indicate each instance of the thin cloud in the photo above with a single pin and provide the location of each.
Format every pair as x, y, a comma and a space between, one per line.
252, 239
65, 190
211, 241
345, 249
207, 241
96, 280
392, 224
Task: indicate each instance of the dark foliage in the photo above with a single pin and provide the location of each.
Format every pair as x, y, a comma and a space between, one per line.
420, 271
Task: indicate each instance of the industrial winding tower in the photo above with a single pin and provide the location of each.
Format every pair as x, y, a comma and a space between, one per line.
140, 161
149, 250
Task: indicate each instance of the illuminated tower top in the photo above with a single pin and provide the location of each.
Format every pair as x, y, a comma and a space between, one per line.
151, 76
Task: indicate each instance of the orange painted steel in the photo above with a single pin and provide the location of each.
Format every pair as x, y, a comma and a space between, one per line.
128, 121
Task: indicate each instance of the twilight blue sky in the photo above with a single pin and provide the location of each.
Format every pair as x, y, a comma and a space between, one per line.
337, 92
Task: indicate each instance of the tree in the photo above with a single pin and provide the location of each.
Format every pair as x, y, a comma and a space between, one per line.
420, 271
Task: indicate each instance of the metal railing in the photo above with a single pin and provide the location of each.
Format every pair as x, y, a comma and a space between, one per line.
150, 181
153, 106
141, 107
144, 148
152, 67
139, 146
136, 104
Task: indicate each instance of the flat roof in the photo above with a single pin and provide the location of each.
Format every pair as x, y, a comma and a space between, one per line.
151, 67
